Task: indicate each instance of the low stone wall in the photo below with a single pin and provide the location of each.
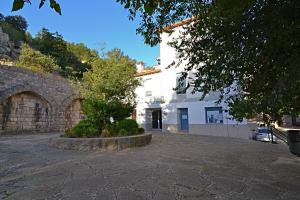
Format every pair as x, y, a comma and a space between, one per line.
101, 144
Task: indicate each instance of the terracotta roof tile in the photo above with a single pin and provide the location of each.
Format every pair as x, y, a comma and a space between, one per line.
148, 72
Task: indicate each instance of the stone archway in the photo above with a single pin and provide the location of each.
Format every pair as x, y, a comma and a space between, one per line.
73, 113
25, 111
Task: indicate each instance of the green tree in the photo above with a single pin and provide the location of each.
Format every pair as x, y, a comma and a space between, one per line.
83, 53
35, 60
14, 35
109, 90
54, 45
18, 22
112, 78
248, 50
99, 112
14, 26
51, 44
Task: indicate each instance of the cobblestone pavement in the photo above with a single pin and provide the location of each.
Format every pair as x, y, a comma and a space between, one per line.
171, 167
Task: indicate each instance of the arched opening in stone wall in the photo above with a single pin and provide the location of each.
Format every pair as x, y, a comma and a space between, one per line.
25, 112
73, 113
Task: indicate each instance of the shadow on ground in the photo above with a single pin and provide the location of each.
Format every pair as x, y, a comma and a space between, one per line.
171, 167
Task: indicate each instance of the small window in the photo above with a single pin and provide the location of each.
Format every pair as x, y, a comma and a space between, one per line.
148, 93
214, 115
180, 84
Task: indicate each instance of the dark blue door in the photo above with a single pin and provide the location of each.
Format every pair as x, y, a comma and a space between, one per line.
184, 119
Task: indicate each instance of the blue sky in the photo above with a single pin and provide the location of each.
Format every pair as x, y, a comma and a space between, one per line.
97, 23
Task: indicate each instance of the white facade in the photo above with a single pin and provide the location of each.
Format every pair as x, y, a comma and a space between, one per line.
159, 107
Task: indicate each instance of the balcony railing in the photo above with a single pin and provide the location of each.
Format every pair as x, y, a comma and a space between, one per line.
156, 100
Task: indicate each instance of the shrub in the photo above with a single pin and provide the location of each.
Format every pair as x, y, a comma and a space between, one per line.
98, 112
140, 131
85, 129
35, 60
128, 125
69, 133
106, 133
122, 132
113, 128
14, 35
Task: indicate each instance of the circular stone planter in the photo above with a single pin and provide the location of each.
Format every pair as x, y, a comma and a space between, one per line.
101, 144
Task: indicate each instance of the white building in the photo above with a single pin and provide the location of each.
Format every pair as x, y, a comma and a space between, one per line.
160, 107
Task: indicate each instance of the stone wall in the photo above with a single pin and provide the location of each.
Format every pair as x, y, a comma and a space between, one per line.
33, 102
73, 113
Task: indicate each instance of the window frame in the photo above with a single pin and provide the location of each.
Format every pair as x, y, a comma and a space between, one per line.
214, 108
183, 84
148, 93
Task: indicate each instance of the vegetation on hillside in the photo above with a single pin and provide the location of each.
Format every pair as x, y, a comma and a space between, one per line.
36, 61
107, 82
14, 26
66, 55
72, 59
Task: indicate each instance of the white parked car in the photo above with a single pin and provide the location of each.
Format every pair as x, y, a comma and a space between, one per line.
263, 135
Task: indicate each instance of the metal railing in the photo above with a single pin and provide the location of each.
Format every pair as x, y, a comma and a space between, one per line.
279, 134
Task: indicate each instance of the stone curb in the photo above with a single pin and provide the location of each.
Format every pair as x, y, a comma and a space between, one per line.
101, 144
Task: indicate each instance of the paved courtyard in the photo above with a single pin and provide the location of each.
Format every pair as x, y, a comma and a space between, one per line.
171, 167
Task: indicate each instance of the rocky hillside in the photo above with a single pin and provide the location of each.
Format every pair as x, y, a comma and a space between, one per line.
9, 52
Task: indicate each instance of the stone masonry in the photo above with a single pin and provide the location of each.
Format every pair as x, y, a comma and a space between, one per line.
34, 102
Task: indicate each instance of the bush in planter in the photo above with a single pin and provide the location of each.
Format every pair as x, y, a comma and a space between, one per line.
140, 131
122, 132
129, 125
107, 133
100, 112
85, 128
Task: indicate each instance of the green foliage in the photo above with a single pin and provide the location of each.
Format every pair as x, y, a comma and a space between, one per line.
83, 53
157, 14
97, 112
69, 133
107, 133
85, 129
129, 125
72, 59
54, 5
140, 131
14, 35
53, 44
100, 112
19, 4
112, 78
109, 90
247, 50
28, 38
35, 60
18, 22
1, 17
122, 132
